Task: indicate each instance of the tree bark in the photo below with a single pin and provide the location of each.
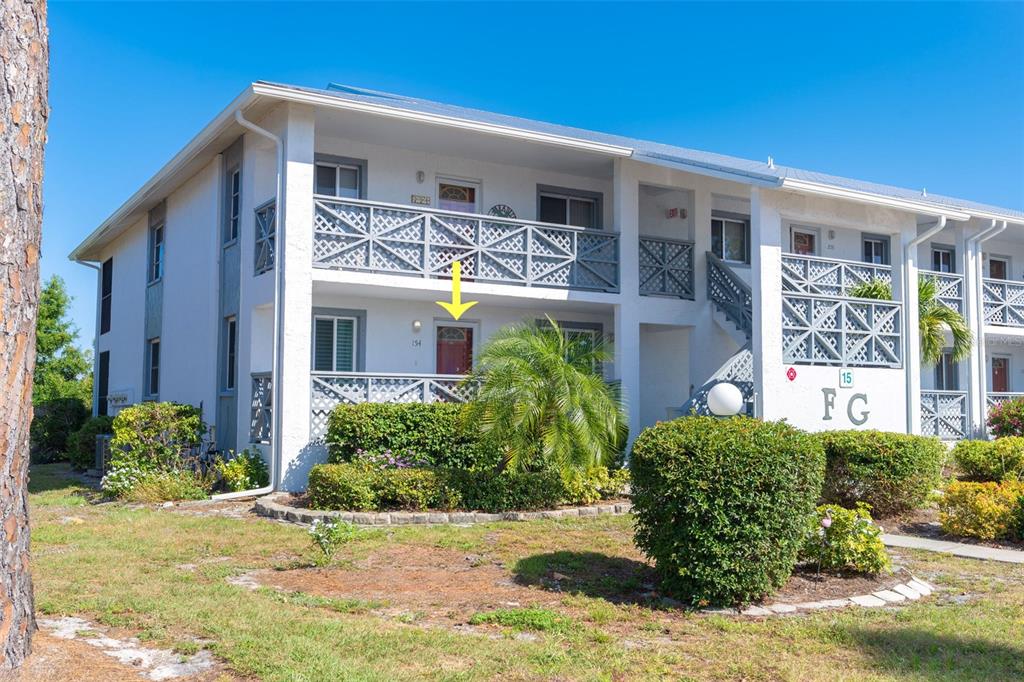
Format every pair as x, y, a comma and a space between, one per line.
23, 115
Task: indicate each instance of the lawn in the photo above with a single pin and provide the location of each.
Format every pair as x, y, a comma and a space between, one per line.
562, 599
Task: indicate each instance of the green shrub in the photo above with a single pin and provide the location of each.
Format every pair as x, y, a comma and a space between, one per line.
721, 505
82, 443
156, 435
845, 540
1007, 418
434, 432
342, 486
53, 423
891, 472
596, 483
244, 471
998, 460
510, 490
988, 511
133, 484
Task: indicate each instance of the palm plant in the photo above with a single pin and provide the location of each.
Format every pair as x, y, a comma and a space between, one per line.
541, 397
933, 316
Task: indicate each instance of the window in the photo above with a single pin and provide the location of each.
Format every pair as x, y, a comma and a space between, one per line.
947, 377
156, 253
458, 195
454, 349
104, 383
942, 260
106, 293
334, 344
153, 367
231, 352
729, 239
998, 268
876, 250
339, 180
234, 206
569, 207
803, 242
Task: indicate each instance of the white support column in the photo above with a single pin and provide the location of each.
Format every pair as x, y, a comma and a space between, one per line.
972, 368
766, 265
905, 289
295, 250
626, 211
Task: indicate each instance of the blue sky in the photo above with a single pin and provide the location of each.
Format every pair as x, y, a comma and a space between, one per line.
918, 95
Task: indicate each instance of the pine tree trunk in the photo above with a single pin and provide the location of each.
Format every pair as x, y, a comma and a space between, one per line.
23, 114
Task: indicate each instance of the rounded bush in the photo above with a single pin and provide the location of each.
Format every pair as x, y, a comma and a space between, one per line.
998, 460
988, 511
891, 472
82, 443
721, 505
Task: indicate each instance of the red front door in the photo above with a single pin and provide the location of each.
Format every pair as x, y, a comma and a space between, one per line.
454, 350
1000, 375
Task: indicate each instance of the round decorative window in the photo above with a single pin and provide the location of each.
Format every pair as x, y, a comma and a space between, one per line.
502, 211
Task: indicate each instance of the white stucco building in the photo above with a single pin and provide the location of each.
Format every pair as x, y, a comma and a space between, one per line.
290, 256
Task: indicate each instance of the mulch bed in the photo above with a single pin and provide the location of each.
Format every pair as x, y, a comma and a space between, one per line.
806, 585
924, 523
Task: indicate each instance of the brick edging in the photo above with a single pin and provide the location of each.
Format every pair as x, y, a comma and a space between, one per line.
269, 507
911, 590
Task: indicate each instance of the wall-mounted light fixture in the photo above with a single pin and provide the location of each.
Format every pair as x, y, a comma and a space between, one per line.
420, 177
417, 326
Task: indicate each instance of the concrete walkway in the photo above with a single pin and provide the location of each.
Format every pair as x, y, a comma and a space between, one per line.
1011, 556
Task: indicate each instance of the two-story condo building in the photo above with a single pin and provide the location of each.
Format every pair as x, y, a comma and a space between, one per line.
288, 259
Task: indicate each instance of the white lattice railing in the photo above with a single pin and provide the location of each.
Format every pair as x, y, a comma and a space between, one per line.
949, 288
737, 370
266, 237
993, 399
1003, 302
944, 414
330, 389
261, 412
369, 236
850, 332
666, 267
828, 276
730, 294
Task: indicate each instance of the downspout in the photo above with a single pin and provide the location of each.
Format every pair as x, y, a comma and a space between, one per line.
908, 347
978, 323
275, 372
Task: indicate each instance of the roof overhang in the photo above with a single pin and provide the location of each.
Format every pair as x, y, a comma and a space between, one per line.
832, 191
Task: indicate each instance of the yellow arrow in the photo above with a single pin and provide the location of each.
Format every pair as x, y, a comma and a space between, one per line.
456, 307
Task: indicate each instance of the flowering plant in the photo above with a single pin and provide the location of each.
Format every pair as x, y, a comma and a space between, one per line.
329, 535
1007, 418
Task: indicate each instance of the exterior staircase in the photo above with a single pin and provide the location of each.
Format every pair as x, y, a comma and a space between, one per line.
732, 301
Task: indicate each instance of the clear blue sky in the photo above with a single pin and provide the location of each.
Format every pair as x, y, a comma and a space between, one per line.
918, 95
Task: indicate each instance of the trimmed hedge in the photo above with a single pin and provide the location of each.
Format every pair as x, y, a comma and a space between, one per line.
989, 511
721, 505
998, 460
359, 486
891, 472
434, 432
82, 443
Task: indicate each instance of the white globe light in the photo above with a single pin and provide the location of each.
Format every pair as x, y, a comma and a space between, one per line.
725, 400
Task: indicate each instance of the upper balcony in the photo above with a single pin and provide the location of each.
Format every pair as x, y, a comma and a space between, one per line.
370, 236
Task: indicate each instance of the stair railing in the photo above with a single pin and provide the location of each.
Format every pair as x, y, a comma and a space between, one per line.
730, 294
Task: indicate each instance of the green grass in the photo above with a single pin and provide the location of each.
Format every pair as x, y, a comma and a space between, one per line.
122, 566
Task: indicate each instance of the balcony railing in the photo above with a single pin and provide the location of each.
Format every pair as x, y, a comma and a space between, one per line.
330, 389
374, 237
847, 332
828, 276
944, 414
949, 288
261, 413
1003, 302
994, 399
666, 267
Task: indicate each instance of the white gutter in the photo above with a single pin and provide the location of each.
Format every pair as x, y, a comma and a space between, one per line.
913, 383
333, 102
974, 246
275, 372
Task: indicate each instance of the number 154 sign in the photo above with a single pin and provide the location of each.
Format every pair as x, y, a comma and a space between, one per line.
846, 378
